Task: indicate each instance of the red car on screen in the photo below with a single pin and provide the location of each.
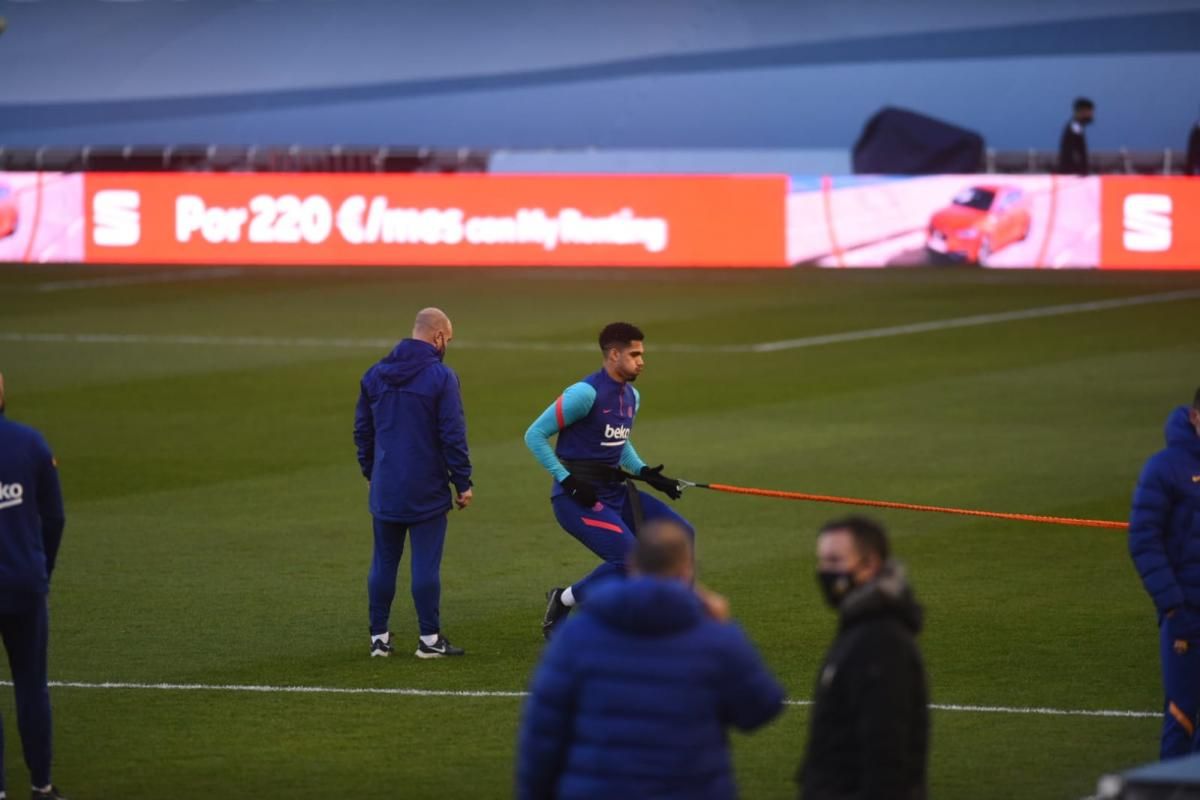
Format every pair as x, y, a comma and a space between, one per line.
979, 221
8, 211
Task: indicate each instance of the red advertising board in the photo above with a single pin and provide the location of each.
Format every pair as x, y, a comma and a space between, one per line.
1150, 223
435, 220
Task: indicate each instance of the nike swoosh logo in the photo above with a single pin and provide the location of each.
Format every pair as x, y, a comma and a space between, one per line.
606, 411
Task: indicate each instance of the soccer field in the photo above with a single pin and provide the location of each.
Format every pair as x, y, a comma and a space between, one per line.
217, 532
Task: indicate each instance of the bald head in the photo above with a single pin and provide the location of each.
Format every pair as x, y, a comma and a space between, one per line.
663, 550
433, 326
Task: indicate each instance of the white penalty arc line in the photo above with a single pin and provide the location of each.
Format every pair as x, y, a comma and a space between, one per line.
760, 347
490, 693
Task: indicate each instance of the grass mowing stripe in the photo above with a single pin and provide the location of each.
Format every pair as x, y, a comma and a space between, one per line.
173, 276
760, 347
267, 689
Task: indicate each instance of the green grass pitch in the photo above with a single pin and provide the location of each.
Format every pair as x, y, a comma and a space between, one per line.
218, 532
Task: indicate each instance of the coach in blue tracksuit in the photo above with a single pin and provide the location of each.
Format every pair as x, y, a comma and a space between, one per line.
31, 527
1164, 539
412, 443
593, 420
635, 694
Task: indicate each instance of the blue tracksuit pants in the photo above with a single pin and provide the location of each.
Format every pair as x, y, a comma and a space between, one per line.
24, 626
608, 532
1181, 707
428, 539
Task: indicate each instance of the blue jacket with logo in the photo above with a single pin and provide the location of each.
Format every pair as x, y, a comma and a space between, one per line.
411, 434
1164, 526
31, 509
594, 421
634, 697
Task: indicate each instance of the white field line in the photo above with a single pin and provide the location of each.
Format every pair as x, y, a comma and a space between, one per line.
488, 693
977, 320
760, 347
267, 341
173, 276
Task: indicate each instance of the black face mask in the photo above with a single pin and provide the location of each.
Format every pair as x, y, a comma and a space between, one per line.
835, 585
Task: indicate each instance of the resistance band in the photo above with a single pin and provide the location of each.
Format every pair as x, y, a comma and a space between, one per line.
858, 501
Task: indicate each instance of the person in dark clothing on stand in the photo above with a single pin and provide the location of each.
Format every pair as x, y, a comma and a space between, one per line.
1072, 147
1192, 167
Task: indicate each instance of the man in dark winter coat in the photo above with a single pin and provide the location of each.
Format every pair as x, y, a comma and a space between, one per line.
1164, 540
412, 445
635, 692
869, 727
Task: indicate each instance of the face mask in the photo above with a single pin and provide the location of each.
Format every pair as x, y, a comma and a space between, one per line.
835, 586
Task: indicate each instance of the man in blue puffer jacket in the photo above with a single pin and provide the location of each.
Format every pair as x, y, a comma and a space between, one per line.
1164, 539
412, 443
635, 694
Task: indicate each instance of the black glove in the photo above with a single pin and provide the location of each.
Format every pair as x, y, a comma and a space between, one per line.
668, 486
579, 491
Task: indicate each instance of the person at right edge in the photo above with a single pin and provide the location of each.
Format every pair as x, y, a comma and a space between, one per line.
1192, 164
1164, 541
1072, 147
869, 727
31, 528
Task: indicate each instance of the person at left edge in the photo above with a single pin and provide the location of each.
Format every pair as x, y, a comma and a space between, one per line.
411, 435
31, 527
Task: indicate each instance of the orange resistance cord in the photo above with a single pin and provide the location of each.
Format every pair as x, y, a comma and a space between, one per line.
855, 501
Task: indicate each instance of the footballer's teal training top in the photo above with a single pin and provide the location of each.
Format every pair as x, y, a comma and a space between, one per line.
593, 420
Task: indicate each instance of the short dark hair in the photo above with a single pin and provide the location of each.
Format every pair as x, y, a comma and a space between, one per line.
869, 535
619, 334
661, 549
1083, 104
1196, 400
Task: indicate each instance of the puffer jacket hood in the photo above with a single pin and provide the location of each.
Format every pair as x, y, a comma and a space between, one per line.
645, 606
1179, 431
407, 360
888, 595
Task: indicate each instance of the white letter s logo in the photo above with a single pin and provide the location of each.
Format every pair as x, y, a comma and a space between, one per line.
1148, 223
116, 219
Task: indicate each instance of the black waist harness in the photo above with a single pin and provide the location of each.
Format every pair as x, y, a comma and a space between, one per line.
600, 474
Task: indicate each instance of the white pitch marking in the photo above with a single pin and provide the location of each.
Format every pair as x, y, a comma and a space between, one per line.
173, 276
760, 347
486, 693
976, 320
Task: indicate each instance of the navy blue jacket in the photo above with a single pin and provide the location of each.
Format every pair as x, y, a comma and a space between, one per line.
411, 434
633, 698
31, 509
1164, 527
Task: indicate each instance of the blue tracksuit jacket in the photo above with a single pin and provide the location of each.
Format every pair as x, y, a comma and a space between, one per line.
594, 421
634, 696
31, 509
411, 434
1164, 526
